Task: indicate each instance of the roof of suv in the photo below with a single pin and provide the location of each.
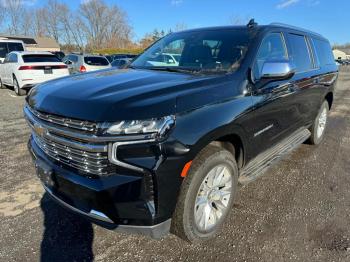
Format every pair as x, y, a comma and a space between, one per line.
10, 40
259, 28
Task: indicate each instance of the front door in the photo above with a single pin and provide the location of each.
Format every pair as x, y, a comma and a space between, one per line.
275, 111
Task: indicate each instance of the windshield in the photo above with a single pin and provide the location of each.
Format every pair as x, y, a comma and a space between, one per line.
212, 50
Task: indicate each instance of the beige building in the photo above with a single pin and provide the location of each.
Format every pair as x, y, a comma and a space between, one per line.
36, 43
338, 54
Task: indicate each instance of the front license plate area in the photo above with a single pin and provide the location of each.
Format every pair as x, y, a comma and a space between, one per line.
44, 173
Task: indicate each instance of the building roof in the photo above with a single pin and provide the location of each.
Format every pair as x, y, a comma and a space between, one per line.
45, 42
26, 40
39, 42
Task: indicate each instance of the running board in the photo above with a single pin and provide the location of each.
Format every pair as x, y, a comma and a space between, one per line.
262, 162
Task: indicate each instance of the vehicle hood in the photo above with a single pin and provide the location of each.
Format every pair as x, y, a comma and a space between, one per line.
112, 95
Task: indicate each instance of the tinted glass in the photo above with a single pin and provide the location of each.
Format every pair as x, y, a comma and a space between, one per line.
96, 61
323, 52
15, 47
216, 50
3, 50
272, 48
73, 58
13, 58
40, 58
299, 53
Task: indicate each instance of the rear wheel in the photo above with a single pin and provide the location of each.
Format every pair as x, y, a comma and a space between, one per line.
18, 90
206, 196
319, 126
2, 86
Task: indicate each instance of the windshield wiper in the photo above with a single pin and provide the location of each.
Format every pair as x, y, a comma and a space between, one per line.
171, 69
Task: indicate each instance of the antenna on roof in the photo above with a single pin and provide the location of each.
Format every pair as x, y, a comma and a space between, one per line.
252, 23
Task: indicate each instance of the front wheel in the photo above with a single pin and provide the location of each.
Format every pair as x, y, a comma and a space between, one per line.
318, 128
206, 196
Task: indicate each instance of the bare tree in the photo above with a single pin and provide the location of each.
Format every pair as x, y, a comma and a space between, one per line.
104, 26
15, 12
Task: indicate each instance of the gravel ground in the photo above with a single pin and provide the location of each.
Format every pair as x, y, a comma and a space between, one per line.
298, 211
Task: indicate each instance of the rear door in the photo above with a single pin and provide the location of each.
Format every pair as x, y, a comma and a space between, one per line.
5, 70
306, 76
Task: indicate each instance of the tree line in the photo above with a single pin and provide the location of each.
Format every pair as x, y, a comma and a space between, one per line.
94, 25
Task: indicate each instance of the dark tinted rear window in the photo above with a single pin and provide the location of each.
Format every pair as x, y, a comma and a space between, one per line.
299, 52
96, 61
323, 51
15, 47
40, 58
3, 50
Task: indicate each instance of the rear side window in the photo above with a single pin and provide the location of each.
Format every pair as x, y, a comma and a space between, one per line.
299, 52
15, 47
95, 61
40, 58
323, 52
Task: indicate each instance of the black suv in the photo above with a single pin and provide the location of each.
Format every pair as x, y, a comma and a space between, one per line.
163, 146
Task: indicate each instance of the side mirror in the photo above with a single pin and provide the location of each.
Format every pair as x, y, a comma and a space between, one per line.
279, 70
68, 62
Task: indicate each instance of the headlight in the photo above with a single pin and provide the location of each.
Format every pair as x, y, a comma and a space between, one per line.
156, 126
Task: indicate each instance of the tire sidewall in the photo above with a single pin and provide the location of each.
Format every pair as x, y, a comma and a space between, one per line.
317, 140
197, 176
15, 86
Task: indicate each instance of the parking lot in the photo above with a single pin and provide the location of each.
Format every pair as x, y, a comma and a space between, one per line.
298, 211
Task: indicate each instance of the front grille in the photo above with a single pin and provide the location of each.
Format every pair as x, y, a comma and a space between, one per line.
62, 140
87, 162
66, 122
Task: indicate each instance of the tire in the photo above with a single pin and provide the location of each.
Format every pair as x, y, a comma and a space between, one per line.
318, 128
18, 90
186, 221
2, 86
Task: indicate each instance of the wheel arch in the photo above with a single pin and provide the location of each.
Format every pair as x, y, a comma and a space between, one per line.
329, 99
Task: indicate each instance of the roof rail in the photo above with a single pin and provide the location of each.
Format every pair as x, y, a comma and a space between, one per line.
296, 28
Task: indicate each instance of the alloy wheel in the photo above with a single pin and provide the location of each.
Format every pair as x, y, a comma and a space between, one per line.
213, 198
322, 121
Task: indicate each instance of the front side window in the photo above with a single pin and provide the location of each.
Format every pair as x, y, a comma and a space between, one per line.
272, 48
212, 50
299, 53
13, 58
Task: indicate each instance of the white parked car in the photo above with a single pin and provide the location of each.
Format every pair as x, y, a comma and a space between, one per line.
23, 70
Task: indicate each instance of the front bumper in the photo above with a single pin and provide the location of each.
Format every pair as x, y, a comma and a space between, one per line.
119, 201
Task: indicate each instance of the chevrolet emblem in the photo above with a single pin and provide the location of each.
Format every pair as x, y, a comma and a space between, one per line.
39, 130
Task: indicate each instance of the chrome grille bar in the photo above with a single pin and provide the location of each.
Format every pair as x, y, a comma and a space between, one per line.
66, 122
85, 164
